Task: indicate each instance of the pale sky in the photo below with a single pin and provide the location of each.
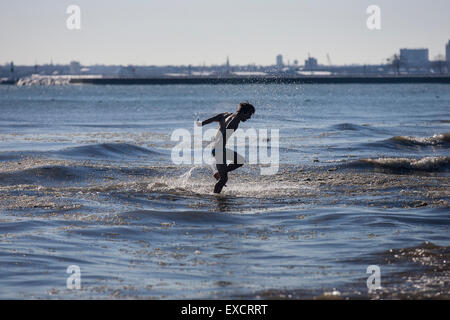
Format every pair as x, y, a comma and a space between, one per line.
162, 32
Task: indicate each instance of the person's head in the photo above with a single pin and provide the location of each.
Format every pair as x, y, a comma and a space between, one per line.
245, 110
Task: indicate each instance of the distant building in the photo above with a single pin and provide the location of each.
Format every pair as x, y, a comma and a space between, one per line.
279, 61
447, 52
74, 67
311, 63
414, 57
127, 71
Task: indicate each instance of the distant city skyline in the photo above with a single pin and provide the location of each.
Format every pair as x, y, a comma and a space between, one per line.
197, 32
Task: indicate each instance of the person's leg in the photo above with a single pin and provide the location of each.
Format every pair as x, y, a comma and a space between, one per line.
223, 177
222, 169
237, 160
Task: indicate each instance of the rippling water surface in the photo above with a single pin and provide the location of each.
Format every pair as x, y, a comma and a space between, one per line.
86, 179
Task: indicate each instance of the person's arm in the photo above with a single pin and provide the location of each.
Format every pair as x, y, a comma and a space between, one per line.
213, 119
219, 118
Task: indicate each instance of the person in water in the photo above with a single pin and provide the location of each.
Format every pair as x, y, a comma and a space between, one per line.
228, 123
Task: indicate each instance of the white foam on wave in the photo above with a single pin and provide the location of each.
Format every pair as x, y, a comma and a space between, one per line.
193, 181
427, 163
434, 140
199, 181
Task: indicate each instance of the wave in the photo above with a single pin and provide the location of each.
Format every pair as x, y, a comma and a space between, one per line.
438, 140
352, 127
410, 164
110, 151
46, 175
8, 156
427, 254
441, 140
70, 175
441, 121
396, 164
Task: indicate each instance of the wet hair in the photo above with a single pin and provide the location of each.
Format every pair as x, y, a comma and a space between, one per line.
246, 108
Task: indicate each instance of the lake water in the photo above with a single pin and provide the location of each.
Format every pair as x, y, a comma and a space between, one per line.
86, 179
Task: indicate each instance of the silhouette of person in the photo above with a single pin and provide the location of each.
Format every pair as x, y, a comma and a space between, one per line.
228, 123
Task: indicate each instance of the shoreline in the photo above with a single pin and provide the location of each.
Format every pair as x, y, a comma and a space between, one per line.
263, 80
350, 79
